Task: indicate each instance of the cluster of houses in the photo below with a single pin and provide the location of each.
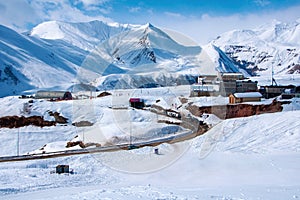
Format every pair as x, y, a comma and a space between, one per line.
238, 88
232, 85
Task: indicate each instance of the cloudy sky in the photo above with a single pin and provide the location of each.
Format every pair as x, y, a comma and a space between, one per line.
202, 20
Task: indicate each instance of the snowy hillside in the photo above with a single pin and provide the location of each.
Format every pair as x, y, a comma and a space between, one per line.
223, 62
58, 54
86, 35
28, 63
275, 44
145, 56
254, 157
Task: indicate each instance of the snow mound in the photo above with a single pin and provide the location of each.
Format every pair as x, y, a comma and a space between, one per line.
262, 134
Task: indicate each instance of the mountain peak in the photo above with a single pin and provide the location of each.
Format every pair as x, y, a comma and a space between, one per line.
275, 43
85, 35
149, 25
48, 30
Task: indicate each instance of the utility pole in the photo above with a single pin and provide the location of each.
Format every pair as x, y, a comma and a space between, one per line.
272, 72
130, 142
18, 143
273, 80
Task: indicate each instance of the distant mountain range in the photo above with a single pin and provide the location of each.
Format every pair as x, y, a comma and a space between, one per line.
274, 45
57, 55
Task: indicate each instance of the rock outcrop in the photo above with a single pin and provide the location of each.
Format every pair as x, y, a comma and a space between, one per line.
16, 121
236, 110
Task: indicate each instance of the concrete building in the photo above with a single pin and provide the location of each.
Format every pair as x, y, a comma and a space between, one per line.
222, 84
246, 86
231, 76
198, 90
271, 91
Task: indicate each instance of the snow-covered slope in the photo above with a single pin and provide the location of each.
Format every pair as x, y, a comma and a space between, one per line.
255, 157
223, 62
56, 54
28, 63
145, 56
130, 56
86, 35
275, 44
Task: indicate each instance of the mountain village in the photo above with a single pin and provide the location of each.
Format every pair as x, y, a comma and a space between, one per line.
114, 98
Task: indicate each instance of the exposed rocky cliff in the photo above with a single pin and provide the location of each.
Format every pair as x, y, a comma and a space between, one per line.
236, 110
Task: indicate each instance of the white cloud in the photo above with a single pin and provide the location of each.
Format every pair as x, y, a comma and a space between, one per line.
206, 27
172, 14
262, 3
18, 14
92, 5
134, 9
93, 2
64, 12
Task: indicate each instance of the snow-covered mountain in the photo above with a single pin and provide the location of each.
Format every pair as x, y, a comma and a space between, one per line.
86, 35
275, 44
49, 56
28, 63
145, 56
58, 54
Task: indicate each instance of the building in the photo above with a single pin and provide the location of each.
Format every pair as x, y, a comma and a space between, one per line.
222, 84
244, 97
137, 103
54, 95
271, 91
227, 87
207, 79
246, 86
231, 76
239, 86
62, 169
198, 90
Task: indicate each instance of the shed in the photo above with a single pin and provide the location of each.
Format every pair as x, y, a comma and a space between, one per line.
137, 103
244, 97
62, 169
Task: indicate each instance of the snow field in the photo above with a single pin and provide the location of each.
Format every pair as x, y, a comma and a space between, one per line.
255, 157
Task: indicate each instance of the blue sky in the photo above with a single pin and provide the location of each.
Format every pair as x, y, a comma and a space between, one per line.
202, 20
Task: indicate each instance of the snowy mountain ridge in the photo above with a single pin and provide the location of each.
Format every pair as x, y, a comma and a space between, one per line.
27, 63
57, 54
275, 44
111, 55
85, 35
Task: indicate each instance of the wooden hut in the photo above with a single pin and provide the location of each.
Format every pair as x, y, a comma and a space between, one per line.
244, 97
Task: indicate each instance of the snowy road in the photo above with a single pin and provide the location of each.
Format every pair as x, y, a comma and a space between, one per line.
117, 147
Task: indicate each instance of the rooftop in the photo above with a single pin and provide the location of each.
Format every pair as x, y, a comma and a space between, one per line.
248, 95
